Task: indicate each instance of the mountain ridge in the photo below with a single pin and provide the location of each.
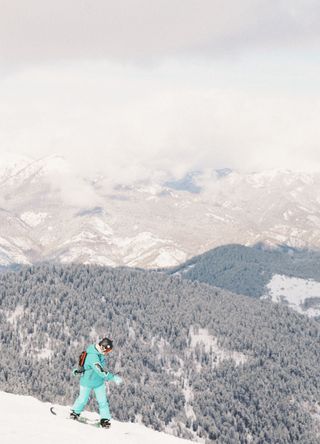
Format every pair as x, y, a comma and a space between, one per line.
51, 213
280, 275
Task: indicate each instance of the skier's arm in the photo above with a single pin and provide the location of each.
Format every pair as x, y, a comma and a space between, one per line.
96, 367
94, 364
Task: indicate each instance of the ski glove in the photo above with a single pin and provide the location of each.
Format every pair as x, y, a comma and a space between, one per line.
117, 379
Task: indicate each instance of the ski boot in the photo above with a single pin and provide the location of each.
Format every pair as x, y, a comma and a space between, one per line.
105, 423
74, 415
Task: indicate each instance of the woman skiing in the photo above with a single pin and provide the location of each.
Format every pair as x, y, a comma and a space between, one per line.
93, 378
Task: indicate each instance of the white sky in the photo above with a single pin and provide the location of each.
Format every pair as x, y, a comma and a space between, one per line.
131, 87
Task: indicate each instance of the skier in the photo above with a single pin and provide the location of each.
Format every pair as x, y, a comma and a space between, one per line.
94, 377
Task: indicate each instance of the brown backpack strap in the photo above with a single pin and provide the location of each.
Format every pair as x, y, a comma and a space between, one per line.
82, 358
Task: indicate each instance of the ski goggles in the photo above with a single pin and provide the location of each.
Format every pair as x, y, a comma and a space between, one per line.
106, 349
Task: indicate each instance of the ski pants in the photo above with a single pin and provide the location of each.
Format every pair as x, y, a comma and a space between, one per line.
101, 396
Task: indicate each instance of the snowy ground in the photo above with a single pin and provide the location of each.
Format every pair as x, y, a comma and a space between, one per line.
299, 294
26, 420
201, 336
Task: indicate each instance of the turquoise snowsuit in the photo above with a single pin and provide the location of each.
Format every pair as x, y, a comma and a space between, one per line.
94, 378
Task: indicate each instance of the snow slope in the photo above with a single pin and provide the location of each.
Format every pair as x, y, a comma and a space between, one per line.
302, 295
26, 420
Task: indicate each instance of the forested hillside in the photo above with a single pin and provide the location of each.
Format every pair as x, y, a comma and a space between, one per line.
195, 360
247, 270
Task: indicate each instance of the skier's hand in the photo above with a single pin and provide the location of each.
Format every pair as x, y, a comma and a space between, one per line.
117, 379
75, 372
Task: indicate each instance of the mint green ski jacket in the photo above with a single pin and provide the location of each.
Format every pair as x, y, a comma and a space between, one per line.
94, 374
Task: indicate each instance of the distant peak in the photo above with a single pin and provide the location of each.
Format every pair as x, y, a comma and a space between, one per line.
186, 183
222, 172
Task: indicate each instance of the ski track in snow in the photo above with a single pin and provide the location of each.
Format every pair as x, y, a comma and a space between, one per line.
26, 420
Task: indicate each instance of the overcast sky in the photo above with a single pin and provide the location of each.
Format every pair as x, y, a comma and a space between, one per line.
131, 88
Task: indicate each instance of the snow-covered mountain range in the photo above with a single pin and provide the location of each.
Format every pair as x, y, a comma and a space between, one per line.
49, 213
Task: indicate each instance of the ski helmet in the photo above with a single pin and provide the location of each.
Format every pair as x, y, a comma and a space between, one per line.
106, 345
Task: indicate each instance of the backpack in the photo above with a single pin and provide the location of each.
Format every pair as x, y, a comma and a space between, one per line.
82, 359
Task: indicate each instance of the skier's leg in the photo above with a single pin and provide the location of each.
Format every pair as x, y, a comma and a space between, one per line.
102, 399
82, 399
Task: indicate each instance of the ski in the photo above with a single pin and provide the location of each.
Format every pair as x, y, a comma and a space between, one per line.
60, 411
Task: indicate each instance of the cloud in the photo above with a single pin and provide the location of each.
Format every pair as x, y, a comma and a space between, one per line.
137, 30
130, 123
64, 179
133, 90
